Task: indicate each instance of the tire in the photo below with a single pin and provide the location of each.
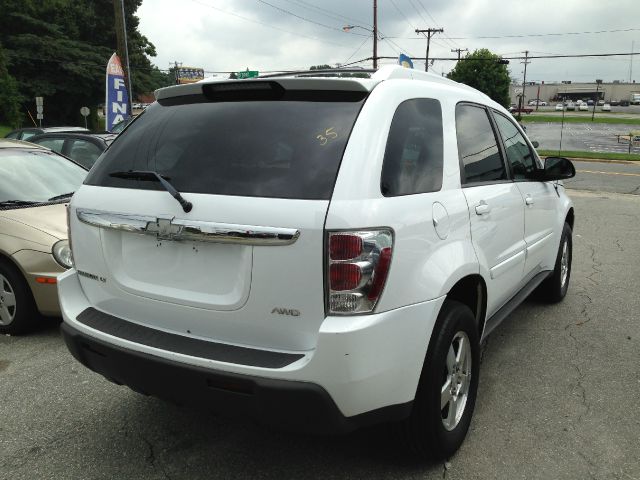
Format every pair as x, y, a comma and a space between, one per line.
427, 433
18, 313
554, 288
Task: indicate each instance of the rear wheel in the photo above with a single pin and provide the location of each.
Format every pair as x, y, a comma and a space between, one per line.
448, 385
17, 308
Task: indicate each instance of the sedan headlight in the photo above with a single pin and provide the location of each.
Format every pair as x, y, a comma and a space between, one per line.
61, 251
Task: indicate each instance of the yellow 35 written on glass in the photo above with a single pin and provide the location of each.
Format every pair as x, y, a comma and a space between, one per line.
329, 134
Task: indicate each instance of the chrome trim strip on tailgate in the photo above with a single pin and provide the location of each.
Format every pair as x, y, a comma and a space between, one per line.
176, 229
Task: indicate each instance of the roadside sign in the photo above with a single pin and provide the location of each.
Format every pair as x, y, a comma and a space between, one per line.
39, 108
39, 116
39, 101
190, 75
84, 111
247, 74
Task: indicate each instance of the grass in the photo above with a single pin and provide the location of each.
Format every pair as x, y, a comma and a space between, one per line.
4, 129
578, 119
594, 155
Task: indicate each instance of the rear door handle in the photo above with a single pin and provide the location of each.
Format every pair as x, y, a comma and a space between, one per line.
528, 200
482, 208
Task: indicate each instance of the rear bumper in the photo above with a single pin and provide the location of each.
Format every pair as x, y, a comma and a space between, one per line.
290, 405
363, 369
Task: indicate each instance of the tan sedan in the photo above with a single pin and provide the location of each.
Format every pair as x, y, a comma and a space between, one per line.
35, 184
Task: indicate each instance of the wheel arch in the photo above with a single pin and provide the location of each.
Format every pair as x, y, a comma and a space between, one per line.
471, 291
570, 217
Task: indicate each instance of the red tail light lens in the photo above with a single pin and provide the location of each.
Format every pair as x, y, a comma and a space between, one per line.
345, 276
358, 264
344, 246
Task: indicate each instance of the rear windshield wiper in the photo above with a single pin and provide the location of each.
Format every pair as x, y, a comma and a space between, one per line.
154, 177
16, 203
60, 197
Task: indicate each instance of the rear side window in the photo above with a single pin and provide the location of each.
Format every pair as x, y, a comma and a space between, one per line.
413, 157
277, 148
54, 144
84, 152
480, 158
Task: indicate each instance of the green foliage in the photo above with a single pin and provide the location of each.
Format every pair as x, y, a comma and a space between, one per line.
58, 49
320, 67
482, 71
10, 98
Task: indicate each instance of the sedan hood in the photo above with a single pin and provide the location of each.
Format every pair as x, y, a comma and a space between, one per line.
50, 219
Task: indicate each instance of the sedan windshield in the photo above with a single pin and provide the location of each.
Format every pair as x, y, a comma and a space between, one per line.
36, 176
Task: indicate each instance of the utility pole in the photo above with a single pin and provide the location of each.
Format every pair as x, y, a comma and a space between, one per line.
459, 50
121, 42
524, 83
375, 34
430, 32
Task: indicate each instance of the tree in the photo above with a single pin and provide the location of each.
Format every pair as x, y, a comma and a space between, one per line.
320, 67
10, 98
482, 70
58, 49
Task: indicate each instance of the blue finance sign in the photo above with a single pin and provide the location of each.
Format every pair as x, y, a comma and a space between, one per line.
117, 98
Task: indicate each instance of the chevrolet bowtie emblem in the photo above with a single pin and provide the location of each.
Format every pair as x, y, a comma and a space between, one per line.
163, 228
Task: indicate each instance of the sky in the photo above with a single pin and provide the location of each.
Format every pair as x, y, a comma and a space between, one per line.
269, 35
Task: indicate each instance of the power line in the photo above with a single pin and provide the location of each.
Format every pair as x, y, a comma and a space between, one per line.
357, 50
403, 15
266, 24
535, 34
326, 13
284, 10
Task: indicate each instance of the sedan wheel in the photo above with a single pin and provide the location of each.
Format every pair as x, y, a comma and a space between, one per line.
7, 302
18, 313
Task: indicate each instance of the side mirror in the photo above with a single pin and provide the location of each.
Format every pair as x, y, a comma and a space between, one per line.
558, 168
535, 144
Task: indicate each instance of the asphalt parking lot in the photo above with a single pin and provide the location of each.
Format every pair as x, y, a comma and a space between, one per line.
558, 397
583, 137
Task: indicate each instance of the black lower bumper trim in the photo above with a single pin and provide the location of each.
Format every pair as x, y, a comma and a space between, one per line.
194, 347
291, 405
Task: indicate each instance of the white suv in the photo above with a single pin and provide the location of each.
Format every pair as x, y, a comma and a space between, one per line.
319, 253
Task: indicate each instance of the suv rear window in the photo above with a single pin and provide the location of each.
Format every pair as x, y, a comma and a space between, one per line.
275, 148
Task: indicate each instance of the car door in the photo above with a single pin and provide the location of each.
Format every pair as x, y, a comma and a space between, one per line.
496, 206
540, 197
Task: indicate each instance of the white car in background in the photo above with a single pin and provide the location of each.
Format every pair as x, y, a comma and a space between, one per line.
606, 107
583, 107
559, 107
318, 253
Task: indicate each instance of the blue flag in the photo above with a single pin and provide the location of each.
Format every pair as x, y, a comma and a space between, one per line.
116, 107
405, 61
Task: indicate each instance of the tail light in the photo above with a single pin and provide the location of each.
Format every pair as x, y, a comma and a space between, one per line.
357, 268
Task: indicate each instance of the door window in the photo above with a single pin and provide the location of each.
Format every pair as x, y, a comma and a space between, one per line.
519, 155
413, 156
478, 150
